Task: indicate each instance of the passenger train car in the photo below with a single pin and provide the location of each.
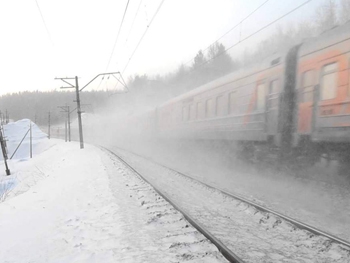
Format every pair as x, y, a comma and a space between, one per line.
294, 103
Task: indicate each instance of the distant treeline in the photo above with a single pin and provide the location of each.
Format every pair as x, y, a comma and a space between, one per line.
36, 105
214, 62
148, 91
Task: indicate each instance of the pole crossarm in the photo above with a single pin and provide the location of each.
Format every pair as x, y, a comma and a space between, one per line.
78, 90
65, 108
101, 74
121, 82
70, 84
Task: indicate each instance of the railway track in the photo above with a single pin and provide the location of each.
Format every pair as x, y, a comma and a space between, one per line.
227, 253
231, 256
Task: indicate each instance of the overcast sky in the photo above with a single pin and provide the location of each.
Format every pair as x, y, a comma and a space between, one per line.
77, 37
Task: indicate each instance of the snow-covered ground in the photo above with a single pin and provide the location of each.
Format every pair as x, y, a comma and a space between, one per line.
319, 197
72, 205
253, 235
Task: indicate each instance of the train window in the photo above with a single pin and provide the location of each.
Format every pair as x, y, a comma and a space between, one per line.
232, 102
261, 97
192, 112
200, 110
329, 82
220, 106
273, 94
274, 87
185, 113
209, 108
307, 87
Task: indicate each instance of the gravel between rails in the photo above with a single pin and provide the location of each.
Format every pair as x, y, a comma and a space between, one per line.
253, 235
176, 239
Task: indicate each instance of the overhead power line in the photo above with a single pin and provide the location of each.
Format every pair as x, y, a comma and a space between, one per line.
238, 24
256, 32
42, 18
116, 40
133, 21
144, 33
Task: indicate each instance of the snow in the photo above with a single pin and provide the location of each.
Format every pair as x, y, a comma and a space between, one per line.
15, 131
254, 236
318, 197
73, 205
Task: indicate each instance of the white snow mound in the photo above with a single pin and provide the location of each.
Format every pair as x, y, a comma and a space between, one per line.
14, 132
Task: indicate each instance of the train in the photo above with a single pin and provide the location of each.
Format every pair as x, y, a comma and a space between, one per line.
295, 104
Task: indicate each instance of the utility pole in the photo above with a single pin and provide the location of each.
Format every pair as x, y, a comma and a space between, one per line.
4, 153
68, 123
30, 140
49, 128
79, 113
66, 108
65, 130
77, 91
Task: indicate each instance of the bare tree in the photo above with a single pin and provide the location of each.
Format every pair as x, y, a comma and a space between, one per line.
326, 16
344, 15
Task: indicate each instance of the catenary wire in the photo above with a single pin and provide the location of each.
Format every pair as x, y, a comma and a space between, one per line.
116, 40
133, 21
256, 32
238, 24
144, 33
42, 18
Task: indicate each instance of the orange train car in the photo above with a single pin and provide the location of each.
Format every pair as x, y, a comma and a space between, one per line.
296, 102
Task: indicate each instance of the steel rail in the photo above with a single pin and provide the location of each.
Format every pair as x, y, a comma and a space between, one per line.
226, 252
297, 223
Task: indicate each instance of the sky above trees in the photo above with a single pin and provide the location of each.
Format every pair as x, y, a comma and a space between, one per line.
47, 39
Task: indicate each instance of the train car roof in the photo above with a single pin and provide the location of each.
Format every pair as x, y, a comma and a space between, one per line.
273, 60
325, 40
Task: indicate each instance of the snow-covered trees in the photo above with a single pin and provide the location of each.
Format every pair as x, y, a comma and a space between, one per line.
326, 16
344, 12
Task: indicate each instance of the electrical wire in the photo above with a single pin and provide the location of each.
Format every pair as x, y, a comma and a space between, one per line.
133, 21
238, 24
42, 18
256, 32
144, 33
116, 40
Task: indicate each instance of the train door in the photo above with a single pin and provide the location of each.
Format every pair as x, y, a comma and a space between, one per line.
307, 100
272, 107
330, 102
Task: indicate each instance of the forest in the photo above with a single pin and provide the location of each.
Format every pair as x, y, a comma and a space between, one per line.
148, 91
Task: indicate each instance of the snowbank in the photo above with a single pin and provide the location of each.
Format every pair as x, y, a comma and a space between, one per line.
14, 132
84, 206
19, 180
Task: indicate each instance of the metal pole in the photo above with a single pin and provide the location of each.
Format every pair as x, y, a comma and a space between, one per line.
25, 135
68, 124
4, 141
49, 126
65, 130
4, 154
79, 114
30, 140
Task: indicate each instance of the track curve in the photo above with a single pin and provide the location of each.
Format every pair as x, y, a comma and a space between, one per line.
226, 252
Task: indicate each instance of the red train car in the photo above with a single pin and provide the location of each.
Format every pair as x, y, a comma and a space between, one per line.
323, 88
296, 102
